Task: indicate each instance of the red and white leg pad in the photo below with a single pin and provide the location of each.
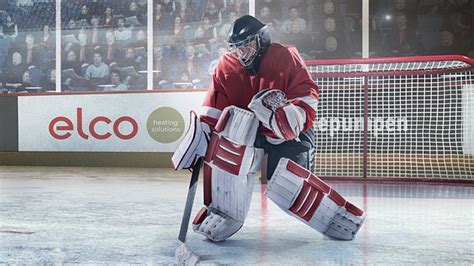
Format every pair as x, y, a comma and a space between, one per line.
230, 168
306, 197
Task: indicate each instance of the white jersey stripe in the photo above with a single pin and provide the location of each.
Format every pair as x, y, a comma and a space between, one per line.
309, 101
211, 112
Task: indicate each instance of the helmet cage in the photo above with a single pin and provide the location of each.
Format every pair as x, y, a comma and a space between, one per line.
245, 51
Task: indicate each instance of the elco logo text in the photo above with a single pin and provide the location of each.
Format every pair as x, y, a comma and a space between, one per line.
62, 127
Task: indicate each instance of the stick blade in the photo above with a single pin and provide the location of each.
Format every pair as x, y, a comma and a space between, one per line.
185, 256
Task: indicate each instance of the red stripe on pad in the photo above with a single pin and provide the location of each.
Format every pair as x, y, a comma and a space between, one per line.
236, 158
316, 182
200, 216
226, 166
297, 170
207, 184
211, 149
308, 202
314, 207
283, 124
301, 198
353, 209
231, 146
310, 113
211, 121
232, 162
223, 119
338, 199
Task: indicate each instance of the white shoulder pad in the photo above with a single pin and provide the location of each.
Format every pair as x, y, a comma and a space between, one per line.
309, 199
193, 145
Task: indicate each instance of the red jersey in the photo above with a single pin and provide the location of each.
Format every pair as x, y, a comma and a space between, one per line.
281, 68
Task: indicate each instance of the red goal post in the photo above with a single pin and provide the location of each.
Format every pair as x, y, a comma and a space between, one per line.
406, 118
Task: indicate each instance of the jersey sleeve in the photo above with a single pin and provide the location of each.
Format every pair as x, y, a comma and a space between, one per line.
302, 91
214, 102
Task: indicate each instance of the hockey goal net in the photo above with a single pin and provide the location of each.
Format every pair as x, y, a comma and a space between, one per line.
409, 118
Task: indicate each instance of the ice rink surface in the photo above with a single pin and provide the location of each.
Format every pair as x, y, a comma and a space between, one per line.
132, 216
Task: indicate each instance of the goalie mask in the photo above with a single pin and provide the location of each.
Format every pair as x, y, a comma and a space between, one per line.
248, 42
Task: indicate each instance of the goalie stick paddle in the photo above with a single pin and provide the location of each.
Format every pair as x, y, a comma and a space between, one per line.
183, 231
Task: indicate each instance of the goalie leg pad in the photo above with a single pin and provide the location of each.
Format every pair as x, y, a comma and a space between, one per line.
217, 226
309, 199
229, 175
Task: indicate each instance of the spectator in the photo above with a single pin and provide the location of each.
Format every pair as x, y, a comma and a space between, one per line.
130, 59
116, 81
72, 25
122, 33
210, 30
140, 39
402, 39
212, 12
95, 31
98, 70
159, 20
133, 11
71, 62
328, 10
179, 30
171, 7
15, 69
29, 49
26, 80
238, 6
294, 24
142, 5
429, 22
5, 45
84, 50
445, 44
163, 22
49, 83
332, 49
47, 38
273, 6
112, 54
267, 17
354, 35
458, 20
108, 20
159, 65
227, 25
84, 15
10, 29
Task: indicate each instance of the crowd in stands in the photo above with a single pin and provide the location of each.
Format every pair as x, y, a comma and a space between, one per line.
104, 45
329, 29
104, 42
27, 46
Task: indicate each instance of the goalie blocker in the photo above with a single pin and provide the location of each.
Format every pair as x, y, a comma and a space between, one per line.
306, 197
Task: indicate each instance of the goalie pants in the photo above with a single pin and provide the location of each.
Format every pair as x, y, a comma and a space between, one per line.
301, 152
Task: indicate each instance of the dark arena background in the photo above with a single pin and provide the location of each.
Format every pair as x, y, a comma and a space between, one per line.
95, 96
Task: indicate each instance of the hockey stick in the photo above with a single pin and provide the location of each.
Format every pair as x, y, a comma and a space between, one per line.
183, 253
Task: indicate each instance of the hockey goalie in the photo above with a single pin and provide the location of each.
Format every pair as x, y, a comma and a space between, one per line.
262, 99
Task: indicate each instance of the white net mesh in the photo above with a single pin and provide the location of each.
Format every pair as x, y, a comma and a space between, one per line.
395, 119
